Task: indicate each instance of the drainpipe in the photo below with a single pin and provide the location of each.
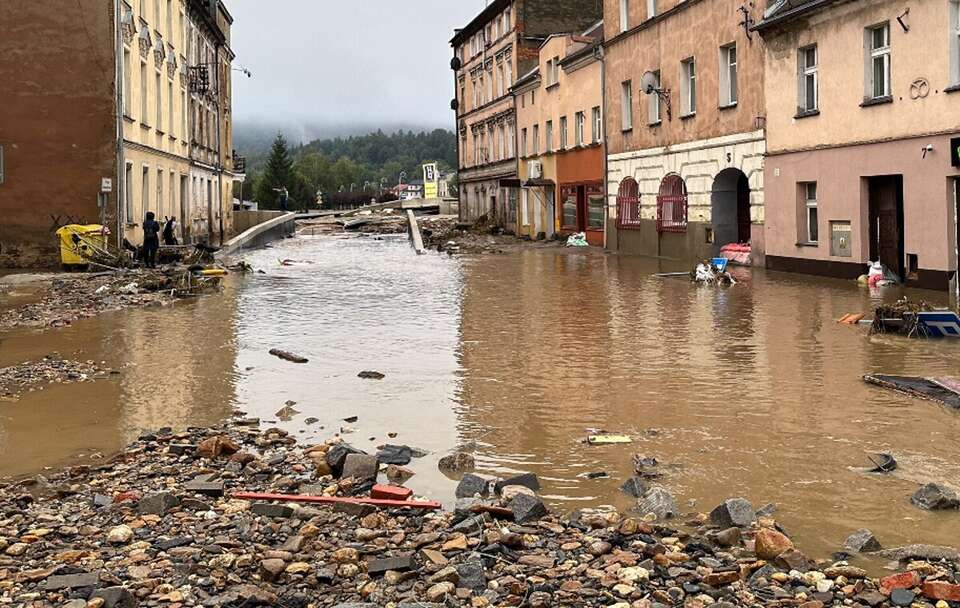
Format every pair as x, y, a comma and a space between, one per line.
606, 163
121, 188
216, 60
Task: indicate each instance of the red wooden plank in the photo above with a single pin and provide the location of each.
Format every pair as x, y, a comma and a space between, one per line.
390, 493
376, 502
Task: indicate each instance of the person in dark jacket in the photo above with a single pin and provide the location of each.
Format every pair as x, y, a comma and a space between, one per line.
169, 232
151, 240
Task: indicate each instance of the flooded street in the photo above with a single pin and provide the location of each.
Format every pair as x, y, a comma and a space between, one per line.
752, 390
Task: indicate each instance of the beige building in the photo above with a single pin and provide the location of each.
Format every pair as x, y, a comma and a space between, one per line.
863, 130
176, 100
560, 137
500, 43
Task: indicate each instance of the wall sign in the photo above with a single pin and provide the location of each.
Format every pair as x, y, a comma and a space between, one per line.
841, 239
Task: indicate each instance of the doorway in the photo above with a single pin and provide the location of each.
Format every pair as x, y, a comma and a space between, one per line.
730, 208
885, 195
209, 211
184, 225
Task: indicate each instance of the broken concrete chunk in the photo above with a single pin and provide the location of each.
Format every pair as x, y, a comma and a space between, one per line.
157, 504
935, 497
527, 508
659, 501
360, 466
266, 509
527, 480
472, 485
635, 487
733, 512
862, 541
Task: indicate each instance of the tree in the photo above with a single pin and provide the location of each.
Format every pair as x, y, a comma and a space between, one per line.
277, 175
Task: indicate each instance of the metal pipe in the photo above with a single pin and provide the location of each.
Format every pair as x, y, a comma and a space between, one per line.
119, 99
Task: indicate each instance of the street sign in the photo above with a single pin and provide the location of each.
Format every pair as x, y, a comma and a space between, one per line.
431, 179
106, 185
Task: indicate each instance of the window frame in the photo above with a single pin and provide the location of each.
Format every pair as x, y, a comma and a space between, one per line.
523, 142
536, 139
597, 126
564, 132
624, 15
628, 205
579, 120
954, 27
874, 53
651, 9
728, 75
688, 87
549, 136
807, 73
812, 229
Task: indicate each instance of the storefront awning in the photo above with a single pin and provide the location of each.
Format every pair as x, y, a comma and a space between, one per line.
539, 183
510, 183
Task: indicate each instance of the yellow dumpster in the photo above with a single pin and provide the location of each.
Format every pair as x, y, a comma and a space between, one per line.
78, 242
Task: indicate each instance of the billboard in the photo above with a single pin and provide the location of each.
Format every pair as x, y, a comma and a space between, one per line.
431, 181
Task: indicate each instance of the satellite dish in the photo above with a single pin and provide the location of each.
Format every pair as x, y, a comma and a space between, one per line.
649, 84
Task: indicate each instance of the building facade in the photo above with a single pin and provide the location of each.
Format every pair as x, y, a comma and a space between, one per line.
684, 127
560, 138
501, 42
863, 102
99, 129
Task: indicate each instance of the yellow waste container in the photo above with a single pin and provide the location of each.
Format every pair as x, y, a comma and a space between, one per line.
77, 242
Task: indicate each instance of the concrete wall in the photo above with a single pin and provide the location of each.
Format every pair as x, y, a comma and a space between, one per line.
57, 124
923, 53
270, 229
244, 220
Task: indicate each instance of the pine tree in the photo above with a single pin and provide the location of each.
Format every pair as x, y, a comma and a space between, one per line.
278, 174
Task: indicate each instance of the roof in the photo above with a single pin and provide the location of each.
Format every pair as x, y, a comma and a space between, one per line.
783, 11
485, 16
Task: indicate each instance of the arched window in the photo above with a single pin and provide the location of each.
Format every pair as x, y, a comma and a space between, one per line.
628, 205
672, 205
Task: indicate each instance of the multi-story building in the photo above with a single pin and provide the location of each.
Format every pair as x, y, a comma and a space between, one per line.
683, 86
863, 117
129, 112
501, 42
560, 138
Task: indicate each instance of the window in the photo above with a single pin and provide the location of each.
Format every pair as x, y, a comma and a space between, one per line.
170, 103
524, 203
809, 94
523, 142
476, 148
728, 75
578, 134
653, 102
483, 90
651, 9
628, 205
595, 213
955, 41
185, 115
490, 96
553, 71
672, 205
500, 80
624, 15
688, 87
549, 136
128, 193
127, 82
144, 194
569, 199
563, 133
597, 128
156, 14
878, 61
511, 141
169, 19
159, 193
536, 139
626, 105
808, 192
463, 93
173, 194
509, 65
476, 92
159, 104
143, 92
503, 143
507, 23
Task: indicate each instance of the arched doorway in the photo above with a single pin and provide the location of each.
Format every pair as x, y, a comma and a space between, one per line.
730, 208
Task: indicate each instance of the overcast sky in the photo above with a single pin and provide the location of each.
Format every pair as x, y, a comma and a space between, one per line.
346, 61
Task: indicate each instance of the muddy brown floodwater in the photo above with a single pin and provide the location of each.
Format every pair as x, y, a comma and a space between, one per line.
752, 390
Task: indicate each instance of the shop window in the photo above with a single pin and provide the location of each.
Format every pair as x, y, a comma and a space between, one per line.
672, 205
595, 212
569, 197
628, 205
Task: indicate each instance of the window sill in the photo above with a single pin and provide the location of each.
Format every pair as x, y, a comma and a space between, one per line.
144, 126
654, 124
876, 101
129, 118
688, 116
954, 88
729, 106
552, 86
160, 133
626, 129
807, 244
806, 113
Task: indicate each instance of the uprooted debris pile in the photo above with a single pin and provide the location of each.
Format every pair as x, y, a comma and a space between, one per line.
52, 369
70, 297
900, 317
158, 526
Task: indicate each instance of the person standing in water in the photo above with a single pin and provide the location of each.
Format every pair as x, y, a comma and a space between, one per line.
151, 240
169, 232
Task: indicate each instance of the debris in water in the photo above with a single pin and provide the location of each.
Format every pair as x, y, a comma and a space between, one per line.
945, 391
276, 352
351, 419
287, 412
883, 463
371, 375
608, 439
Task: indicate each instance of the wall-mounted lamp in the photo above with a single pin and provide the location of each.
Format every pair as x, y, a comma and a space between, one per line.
927, 148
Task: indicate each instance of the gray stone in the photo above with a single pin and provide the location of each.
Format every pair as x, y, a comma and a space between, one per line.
182, 448
658, 501
733, 512
100, 500
934, 497
457, 463
266, 509
862, 541
397, 564
157, 504
206, 488
728, 537
902, 597
357, 510
336, 456
473, 524
527, 508
356, 605
527, 480
192, 504
635, 487
72, 581
116, 597
395, 454
472, 485
466, 505
173, 543
472, 576
360, 466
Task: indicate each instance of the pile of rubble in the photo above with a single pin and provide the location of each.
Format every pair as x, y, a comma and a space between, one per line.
52, 369
67, 298
162, 525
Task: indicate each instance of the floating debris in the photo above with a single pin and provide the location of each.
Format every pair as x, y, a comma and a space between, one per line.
287, 356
